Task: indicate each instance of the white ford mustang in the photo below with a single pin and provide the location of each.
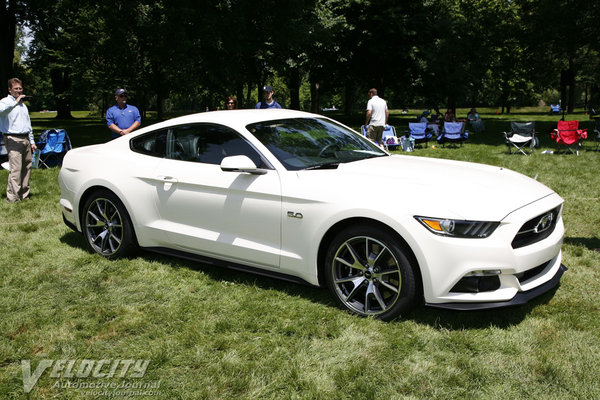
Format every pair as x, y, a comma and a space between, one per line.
301, 197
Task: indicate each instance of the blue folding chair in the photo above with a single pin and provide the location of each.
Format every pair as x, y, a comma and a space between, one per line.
453, 132
419, 132
53, 145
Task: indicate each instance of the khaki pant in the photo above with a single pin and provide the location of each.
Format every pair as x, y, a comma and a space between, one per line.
375, 133
19, 159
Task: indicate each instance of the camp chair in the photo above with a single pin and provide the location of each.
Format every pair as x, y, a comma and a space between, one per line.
388, 137
521, 134
568, 134
597, 133
3, 151
554, 109
453, 132
390, 140
419, 132
53, 145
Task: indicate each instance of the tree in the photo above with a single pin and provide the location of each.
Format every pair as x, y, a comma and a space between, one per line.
50, 50
193, 53
559, 32
8, 28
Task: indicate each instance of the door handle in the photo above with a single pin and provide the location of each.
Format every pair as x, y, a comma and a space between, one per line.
167, 181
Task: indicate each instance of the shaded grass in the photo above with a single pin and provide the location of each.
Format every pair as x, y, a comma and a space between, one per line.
212, 333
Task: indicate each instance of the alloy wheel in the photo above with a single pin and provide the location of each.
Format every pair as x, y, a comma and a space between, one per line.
104, 226
366, 275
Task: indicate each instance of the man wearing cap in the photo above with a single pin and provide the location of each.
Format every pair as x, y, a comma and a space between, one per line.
15, 126
267, 101
122, 118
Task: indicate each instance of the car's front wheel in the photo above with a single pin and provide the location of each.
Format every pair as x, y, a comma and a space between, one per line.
370, 274
107, 226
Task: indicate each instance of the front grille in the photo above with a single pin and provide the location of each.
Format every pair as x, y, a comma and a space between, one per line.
536, 229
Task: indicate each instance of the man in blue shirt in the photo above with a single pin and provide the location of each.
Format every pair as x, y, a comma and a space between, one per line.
122, 118
267, 101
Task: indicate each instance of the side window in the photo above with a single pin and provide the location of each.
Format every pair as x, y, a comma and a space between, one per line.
152, 144
209, 144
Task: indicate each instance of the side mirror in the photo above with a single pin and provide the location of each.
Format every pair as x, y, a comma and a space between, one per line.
241, 164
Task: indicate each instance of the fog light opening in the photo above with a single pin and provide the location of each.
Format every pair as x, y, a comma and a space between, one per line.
478, 281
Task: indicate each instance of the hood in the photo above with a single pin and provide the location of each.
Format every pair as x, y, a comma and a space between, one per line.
452, 189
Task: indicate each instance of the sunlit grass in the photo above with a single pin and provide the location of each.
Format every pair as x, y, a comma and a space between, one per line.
212, 333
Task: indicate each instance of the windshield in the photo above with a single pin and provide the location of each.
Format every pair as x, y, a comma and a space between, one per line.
311, 143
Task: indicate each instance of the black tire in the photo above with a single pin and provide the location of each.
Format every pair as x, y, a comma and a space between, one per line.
106, 225
369, 273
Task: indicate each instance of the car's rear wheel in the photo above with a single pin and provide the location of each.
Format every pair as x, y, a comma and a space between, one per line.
369, 273
107, 226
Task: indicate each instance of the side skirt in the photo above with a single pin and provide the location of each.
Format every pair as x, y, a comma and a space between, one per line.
228, 265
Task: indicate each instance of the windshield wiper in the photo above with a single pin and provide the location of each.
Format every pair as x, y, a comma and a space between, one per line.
329, 165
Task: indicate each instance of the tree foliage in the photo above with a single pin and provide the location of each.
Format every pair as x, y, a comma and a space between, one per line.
191, 54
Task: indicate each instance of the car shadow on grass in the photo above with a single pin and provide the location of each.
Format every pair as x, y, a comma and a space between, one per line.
216, 273
436, 318
75, 240
241, 277
589, 243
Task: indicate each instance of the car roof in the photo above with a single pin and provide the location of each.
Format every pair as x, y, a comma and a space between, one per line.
232, 117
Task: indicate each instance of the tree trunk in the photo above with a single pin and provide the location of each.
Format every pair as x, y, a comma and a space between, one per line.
381, 87
564, 84
158, 85
103, 107
294, 88
349, 97
240, 95
505, 96
61, 86
249, 96
141, 105
571, 83
8, 27
452, 105
314, 97
159, 105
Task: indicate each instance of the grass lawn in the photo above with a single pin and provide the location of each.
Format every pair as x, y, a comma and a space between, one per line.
209, 333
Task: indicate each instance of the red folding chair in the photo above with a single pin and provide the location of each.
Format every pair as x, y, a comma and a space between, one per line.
568, 134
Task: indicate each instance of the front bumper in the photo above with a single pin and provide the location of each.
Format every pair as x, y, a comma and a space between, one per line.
519, 299
448, 261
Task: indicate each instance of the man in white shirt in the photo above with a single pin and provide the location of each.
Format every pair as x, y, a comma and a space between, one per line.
377, 117
15, 126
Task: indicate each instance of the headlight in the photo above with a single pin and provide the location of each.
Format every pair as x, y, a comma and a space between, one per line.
458, 228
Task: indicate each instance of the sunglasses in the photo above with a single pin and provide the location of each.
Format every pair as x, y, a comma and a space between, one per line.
122, 95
